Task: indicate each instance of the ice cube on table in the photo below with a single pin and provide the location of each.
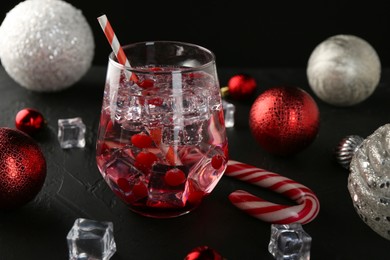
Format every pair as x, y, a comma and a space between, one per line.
228, 110
91, 240
71, 133
289, 242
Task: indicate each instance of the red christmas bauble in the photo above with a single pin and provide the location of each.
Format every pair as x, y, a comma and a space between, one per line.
22, 168
284, 120
203, 253
240, 86
29, 120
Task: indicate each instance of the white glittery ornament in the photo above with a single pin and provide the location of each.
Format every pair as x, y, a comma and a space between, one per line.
369, 181
46, 45
343, 70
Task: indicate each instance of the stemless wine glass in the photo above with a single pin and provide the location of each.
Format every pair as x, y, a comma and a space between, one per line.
161, 143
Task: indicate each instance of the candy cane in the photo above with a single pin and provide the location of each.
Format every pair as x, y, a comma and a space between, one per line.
308, 203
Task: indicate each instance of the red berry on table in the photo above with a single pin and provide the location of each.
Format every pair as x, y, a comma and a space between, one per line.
174, 177
141, 140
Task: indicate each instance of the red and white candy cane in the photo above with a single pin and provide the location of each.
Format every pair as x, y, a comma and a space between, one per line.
308, 203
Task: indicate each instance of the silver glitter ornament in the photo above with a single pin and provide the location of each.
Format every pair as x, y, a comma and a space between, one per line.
46, 45
369, 181
343, 70
346, 148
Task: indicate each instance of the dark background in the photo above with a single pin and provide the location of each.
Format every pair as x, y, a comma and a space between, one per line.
245, 33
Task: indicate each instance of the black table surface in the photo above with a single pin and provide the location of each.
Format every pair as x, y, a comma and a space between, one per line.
74, 188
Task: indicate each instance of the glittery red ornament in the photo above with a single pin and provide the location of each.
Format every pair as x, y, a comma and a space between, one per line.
29, 120
284, 120
240, 86
22, 168
203, 253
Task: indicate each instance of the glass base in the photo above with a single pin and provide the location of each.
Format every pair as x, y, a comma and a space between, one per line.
163, 212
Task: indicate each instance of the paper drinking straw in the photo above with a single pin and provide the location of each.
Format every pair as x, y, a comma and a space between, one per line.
114, 42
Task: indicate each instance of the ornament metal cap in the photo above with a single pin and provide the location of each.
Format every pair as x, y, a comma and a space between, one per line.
346, 149
225, 91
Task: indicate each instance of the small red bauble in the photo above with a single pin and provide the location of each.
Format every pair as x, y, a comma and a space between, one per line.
203, 253
29, 120
284, 120
22, 168
240, 86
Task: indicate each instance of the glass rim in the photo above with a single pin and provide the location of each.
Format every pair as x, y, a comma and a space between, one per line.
113, 59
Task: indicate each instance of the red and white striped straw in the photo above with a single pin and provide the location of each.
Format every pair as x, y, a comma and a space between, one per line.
114, 42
